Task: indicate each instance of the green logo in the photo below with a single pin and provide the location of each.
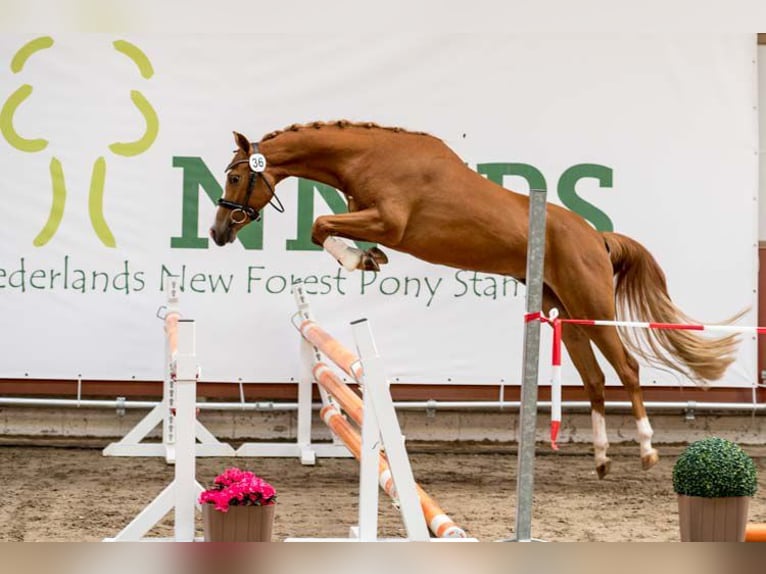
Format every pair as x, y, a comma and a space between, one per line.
98, 175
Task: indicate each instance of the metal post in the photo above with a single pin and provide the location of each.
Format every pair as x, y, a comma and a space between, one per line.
528, 413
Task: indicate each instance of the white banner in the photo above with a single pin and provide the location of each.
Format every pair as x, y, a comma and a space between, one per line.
113, 152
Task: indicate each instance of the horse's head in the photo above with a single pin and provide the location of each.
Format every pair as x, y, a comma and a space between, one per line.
247, 191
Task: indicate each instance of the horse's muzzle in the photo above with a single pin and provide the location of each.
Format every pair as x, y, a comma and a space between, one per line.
221, 238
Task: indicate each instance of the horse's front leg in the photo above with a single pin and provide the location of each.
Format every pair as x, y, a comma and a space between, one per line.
364, 225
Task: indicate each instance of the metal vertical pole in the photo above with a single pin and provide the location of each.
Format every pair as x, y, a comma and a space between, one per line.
528, 412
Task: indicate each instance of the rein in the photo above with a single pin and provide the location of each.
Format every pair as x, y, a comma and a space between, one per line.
240, 212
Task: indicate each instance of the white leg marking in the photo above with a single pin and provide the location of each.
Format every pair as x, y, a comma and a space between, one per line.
645, 433
348, 257
600, 443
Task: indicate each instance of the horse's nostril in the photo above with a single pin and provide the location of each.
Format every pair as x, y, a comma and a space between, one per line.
212, 234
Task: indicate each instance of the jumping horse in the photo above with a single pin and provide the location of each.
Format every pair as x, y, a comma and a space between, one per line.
410, 192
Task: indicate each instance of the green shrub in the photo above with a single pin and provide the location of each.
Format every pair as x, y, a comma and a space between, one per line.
714, 467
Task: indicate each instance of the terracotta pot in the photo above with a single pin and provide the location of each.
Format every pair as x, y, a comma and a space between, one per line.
713, 519
238, 524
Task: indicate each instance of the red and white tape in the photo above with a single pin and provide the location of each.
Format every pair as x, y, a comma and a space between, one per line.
668, 326
556, 323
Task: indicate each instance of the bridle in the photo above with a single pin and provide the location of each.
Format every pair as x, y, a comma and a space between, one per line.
241, 212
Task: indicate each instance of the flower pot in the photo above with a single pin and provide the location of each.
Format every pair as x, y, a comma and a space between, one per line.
713, 519
238, 524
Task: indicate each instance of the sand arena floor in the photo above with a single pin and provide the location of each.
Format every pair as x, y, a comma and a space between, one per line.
76, 494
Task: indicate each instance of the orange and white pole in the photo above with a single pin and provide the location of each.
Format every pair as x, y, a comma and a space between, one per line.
755, 533
438, 522
331, 348
169, 394
349, 401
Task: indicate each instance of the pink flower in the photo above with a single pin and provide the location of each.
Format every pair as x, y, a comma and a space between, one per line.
235, 487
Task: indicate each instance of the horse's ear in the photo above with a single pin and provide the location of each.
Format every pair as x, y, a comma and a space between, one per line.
243, 143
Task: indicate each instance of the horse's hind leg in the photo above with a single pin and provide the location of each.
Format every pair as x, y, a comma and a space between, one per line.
586, 288
578, 343
609, 343
581, 353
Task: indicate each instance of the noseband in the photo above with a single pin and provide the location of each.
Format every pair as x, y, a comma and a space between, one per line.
241, 212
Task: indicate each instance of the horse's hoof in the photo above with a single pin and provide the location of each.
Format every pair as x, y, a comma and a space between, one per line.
649, 459
378, 255
603, 469
368, 263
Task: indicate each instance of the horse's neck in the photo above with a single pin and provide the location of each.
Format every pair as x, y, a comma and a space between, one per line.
320, 156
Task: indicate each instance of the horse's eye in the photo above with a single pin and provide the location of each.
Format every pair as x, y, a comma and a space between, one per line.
233, 179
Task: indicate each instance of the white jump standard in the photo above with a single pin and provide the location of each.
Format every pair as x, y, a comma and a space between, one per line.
375, 414
131, 444
182, 493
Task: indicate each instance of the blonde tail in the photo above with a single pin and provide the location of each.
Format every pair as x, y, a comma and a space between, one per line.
641, 294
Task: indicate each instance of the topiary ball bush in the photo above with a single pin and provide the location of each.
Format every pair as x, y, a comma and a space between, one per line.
714, 468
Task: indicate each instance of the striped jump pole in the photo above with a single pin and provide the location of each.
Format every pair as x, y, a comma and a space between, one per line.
668, 326
438, 522
555, 378
755, 533
346, 360
337, 395
557, 323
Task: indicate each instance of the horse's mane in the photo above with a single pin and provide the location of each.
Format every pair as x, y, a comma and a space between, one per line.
339, 124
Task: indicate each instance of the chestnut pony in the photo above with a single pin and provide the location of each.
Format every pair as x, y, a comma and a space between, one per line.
409, 191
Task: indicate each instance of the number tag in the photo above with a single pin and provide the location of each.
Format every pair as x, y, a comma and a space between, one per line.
257, 162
